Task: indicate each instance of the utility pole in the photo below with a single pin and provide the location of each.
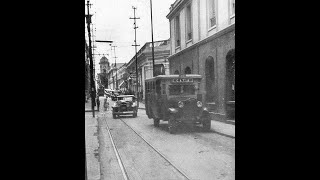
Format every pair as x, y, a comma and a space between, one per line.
115, 65
88, 16
153, 69
135, 45
93, 89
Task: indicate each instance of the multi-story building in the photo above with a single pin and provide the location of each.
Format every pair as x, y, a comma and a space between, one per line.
202, 36
87, 71
122, 74
112, 76
145, 69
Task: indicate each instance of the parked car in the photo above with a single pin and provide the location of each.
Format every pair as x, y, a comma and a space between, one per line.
176, 99
124, 105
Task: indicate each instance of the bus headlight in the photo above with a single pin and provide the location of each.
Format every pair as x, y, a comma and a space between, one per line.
199, 104
116, 104
180, 104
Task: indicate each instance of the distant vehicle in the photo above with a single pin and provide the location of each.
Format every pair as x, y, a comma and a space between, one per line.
108, 92
101, 91
124, 105
176, 99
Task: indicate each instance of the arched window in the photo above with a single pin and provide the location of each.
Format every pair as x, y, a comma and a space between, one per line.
230, 75
210, 79
187, 70
176, 72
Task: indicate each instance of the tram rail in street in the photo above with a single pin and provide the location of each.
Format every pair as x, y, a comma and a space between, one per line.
124, 173
118, 156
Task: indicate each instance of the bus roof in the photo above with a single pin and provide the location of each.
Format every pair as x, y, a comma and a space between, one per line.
194, 76
125, 96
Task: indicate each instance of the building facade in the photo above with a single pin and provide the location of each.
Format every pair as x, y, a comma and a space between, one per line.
87, 72
202, 36
145, 66
122, 74
113, 77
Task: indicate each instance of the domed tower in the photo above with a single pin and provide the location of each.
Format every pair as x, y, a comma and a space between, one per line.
104, 68
104, 65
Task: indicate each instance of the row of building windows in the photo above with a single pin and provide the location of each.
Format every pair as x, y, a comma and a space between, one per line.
212, 20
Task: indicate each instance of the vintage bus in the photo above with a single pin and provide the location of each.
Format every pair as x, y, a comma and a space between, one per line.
176, 99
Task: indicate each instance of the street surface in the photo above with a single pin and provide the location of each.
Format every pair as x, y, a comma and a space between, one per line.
142, 151
92, 147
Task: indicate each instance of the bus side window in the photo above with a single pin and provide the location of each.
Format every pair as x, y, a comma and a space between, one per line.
158, 87
163, 88
147, 87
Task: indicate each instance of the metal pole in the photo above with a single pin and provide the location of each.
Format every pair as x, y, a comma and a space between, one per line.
153, 69
86, 164
93, 92
135, 45
115, 63
91, 79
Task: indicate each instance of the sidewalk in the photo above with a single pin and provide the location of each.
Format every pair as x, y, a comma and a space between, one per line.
92, 146
217, 126
88, 105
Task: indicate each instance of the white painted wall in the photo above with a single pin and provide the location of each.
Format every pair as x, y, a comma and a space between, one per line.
223, 14
203, 19
172, 37
200, 22
195, 21
183, 29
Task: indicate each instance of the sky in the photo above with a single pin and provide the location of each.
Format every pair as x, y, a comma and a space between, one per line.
111, 22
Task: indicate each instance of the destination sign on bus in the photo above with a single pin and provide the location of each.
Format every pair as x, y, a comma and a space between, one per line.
179, 80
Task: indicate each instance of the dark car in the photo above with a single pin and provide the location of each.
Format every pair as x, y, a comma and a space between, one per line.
176, 99
124, 105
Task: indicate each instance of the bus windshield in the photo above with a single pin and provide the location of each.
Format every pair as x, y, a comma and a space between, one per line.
126, 98
182, 89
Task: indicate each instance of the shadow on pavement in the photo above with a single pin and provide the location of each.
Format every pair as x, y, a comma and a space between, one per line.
125, 117
186, 129
183, 128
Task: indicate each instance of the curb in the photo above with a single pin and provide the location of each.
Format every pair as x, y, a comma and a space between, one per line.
232, 135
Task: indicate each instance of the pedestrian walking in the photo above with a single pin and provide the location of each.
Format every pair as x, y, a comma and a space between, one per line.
106, 104
98, 103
